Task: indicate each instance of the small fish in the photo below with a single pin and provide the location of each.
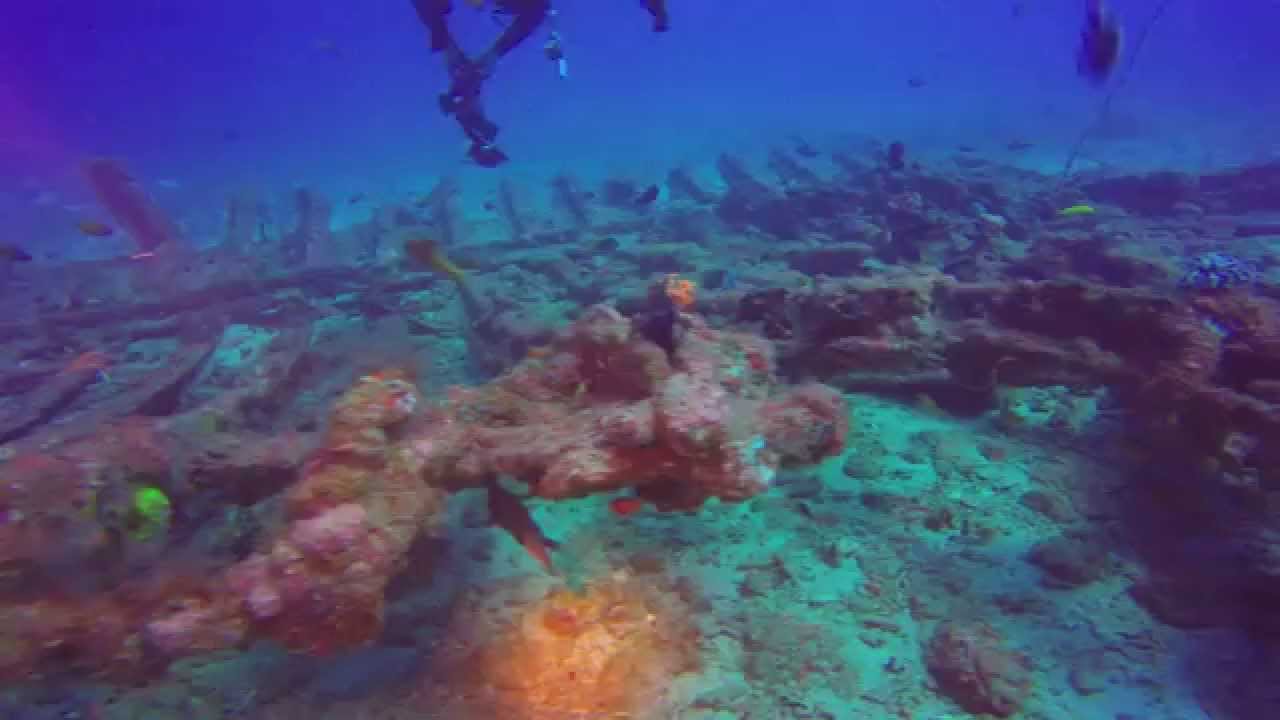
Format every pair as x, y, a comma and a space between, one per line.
1100, 43
1077, 210
967, 148
1019, 146
1018, 10
90, 360
626, 506
509, 513
646, 198
93, 228
916, 82
357, 198
428, 253
13, 253
326, 46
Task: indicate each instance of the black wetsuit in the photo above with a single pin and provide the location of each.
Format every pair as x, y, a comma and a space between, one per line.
526, 16
467, 75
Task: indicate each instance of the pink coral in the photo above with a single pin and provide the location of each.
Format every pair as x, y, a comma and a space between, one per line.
197, 626
264, 601
332, 531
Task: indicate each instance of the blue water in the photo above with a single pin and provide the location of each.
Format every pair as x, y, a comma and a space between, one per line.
201, 101
219, 95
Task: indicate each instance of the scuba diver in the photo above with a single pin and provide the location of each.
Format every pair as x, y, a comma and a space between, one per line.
467, 76
1100, 43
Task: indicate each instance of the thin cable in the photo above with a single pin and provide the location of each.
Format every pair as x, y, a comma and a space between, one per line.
1125, 74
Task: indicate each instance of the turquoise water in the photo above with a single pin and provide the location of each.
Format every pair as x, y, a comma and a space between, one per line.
806, 360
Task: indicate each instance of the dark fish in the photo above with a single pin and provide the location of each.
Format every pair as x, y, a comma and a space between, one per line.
93, 228
897, 156
327, 46
1019, 146
509, 513
1253, 230
1100, 43
967, 148
719, 279
1018, 10
659, 327
13, 253
646, 198
916, 82
805, 150
357, 199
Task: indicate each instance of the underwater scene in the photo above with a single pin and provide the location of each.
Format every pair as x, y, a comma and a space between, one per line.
640, 359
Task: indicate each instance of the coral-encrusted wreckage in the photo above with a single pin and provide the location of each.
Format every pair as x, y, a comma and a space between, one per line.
200, 448
1199, 376
604, 408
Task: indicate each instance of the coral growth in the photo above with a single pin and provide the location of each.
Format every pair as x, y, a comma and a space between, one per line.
353, 513
605, 409
972, 666
1194, 371
611, 650
130, 205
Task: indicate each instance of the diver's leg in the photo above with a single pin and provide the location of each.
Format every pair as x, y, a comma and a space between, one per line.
432, 14
524, 21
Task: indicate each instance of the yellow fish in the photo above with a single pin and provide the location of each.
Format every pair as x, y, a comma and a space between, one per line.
93, 228
1077, 211
430, 255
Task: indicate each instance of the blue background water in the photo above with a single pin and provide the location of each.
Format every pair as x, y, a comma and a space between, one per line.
341, 96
